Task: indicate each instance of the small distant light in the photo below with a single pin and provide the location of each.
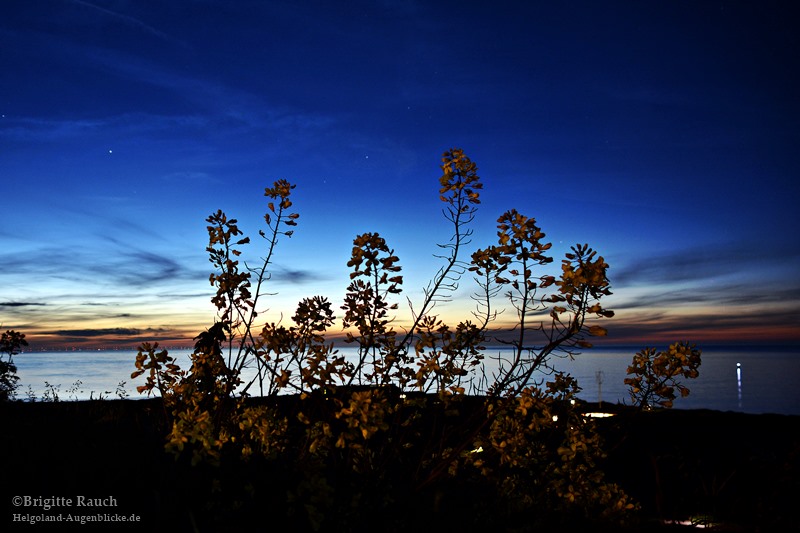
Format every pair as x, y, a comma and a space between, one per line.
111, 151
555, 418
479, 449
738, 365
598, 415
572, 402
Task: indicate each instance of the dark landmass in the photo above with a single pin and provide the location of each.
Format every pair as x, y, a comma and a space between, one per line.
738, 471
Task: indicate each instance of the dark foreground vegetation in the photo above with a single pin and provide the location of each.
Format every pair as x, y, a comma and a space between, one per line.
736, 470
414, 431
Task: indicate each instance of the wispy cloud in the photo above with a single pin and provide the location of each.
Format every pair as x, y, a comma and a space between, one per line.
46, 130
217, 109
721, 295
696, 264
767, 325
136, 268
192, 177
143, 268
296, 276
96, 332
122, 18
54, 129
222, 108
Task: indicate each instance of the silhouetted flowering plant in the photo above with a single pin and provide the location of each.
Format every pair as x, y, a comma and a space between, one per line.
400, 406
11, 344
655, 374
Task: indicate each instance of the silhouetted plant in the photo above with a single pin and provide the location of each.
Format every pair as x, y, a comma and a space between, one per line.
51, 392
121, 391
655, 374
541, 455
399, 407
582, 284
75, 389
11, 344
29, 394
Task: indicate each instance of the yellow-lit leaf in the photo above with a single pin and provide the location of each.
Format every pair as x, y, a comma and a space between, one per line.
598, 331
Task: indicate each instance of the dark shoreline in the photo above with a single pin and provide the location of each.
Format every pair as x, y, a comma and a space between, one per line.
741, 470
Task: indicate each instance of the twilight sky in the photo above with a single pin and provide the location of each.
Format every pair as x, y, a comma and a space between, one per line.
662, 133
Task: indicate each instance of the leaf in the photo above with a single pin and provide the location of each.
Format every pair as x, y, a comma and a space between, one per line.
598, 331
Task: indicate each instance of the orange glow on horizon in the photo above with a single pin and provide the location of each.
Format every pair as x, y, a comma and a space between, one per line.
623, 334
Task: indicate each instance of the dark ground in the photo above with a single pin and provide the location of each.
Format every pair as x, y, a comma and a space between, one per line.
741, 471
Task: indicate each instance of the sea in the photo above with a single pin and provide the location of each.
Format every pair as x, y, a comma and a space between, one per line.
746, 379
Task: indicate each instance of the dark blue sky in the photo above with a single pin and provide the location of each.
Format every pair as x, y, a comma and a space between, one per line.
664, 134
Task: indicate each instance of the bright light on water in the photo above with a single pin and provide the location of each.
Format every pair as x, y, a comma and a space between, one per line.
739, 382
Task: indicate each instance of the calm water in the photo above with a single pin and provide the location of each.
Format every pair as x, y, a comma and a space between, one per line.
768, 377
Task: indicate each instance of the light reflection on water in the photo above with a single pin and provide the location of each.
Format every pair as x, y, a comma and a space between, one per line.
765, 381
